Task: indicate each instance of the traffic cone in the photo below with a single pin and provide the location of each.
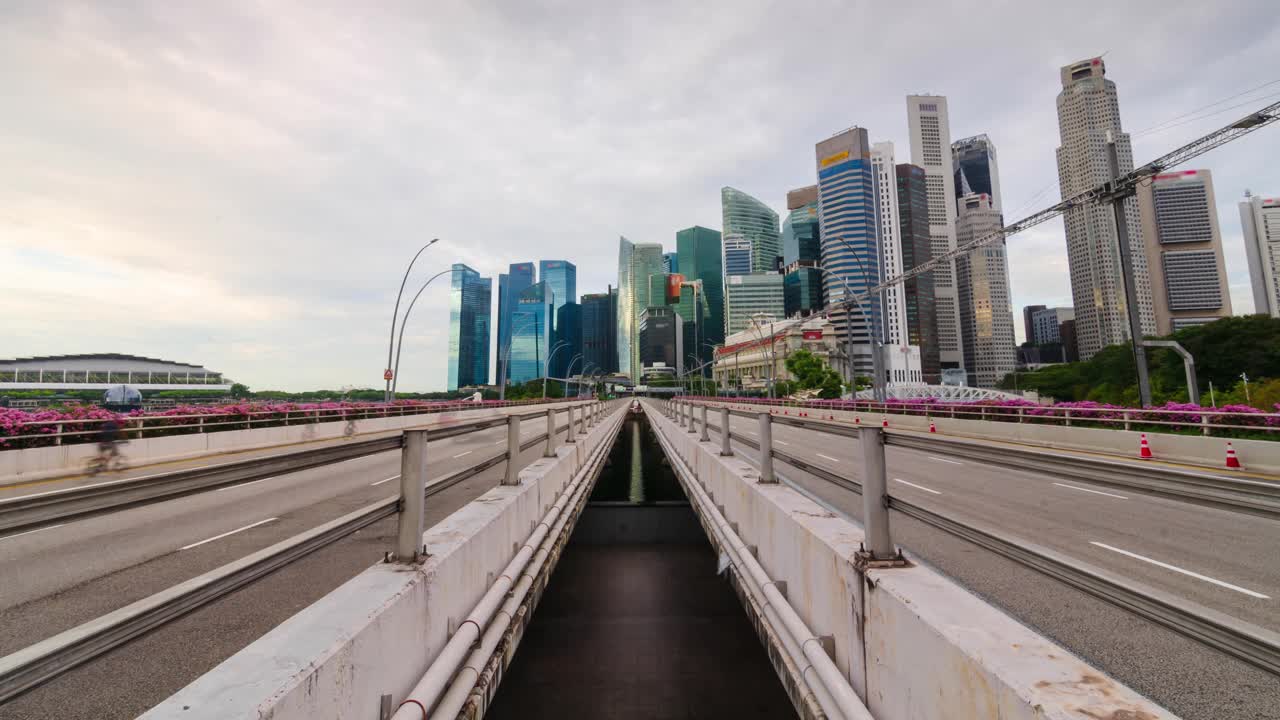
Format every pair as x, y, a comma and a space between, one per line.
1232, 460
857, 420
885, 423
932, 429
1144, 450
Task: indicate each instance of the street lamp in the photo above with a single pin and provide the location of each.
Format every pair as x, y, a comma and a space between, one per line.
560, 345
395, 375
505, 363
568, 372
876, 344
396, 313
769, 356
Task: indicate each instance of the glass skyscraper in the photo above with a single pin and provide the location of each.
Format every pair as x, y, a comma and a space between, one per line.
802, 253
670, 263
913, 224
531, 328
850, 249
973, 160
636, 262
750, 295
737, 255
561, 277
746, 216
516, 280
599, 331
699, 251
469, 307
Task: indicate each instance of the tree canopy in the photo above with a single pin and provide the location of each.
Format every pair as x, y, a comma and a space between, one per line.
810, 372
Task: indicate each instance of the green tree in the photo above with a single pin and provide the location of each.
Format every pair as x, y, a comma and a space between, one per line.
810, 372
239, 390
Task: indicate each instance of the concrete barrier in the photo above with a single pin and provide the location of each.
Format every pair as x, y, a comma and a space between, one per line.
1259, 456
377, 633
913, 644
29, 464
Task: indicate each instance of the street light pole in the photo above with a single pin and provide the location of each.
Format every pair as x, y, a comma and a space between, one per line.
555, 349
395, 375
506, 360
568, 372
396, 313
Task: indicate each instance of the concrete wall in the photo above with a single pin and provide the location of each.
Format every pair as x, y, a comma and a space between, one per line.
378, 633
1260, 456
913, 644
54, 461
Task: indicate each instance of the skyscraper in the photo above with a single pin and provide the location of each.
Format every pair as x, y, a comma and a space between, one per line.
755, 221
750, 295
1260, 221
599, 331
1184, 250
930, 131
531, 328
469, 308
737, 255
973, 161
661, 338
850, 239
1089, 111
986, 318
894, 326
699, 251
567, 333
636, 262
913, 228
517, 279
670, 263
1028, 322
1046, 325
561, 277
802, 253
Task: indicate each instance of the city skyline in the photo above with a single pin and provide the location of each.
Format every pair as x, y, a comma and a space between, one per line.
293, 231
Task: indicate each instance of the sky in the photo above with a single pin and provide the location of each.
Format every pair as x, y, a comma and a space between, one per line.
241, 184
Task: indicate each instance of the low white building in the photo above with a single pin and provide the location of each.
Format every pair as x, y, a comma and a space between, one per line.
104, 370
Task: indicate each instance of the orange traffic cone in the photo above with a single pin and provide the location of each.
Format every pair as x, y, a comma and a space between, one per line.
1144, 450
932, 429
857, 420
1232, 460
885, 423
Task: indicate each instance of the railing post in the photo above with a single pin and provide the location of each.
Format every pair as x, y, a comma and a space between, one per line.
875, 501
1067, 413
551, 434
201, 423
1204, 424
569, 432
766, 449
1126, 419
58, 440
693, 420
1019, 414
704, 437
413, 488
680, 412
725, 450
513, 451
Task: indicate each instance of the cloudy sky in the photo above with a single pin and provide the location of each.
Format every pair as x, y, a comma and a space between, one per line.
240, 184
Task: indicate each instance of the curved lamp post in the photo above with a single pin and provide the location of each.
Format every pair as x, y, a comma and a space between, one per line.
568, 372
877, 341
770, 355
506, 358
558, 347
396, 313
395, 375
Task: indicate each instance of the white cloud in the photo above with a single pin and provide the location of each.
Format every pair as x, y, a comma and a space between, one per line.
240, 184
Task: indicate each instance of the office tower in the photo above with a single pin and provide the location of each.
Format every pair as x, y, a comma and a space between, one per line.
982, 277
561, 277
1028, 322
850, 239
664, 289
973, 162
802, 254
567, 335
755, 221
516, 280
670, 263
636, 262
930, 132
469, 307
737, 255
531, 327
917, 249
1046, 325
661, 338
751, 295
700, 261
1088, 110
599, 319
1260, 221
893, 329
1067, 332
1184, 250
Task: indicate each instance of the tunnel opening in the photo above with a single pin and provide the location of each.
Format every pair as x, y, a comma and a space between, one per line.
636, 621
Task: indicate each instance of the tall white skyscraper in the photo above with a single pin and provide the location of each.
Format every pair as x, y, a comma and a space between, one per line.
986, 318
1089, 110
973, 162
931, 150
1260, 219
884, 166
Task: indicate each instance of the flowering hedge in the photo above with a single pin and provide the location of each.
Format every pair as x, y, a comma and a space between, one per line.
237, 416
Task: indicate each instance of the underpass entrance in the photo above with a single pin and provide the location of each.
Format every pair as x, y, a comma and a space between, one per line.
636, 622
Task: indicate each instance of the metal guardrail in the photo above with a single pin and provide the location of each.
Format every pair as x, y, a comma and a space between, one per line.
1255, 645
45, 660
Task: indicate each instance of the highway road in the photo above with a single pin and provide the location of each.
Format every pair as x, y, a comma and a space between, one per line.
61, 576
1223, 560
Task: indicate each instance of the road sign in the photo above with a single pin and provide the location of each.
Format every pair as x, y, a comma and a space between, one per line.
386, 375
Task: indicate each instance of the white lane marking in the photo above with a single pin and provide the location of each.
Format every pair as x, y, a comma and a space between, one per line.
753, 432
6, 537
393, 477
953, 462
918, 487
225, 534
828, 457
782, 442
1188, 573
1095, 492
455, 457
251, 482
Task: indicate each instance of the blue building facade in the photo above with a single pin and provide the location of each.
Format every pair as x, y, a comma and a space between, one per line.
561, 276
532, 324
469, 306
518, 278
